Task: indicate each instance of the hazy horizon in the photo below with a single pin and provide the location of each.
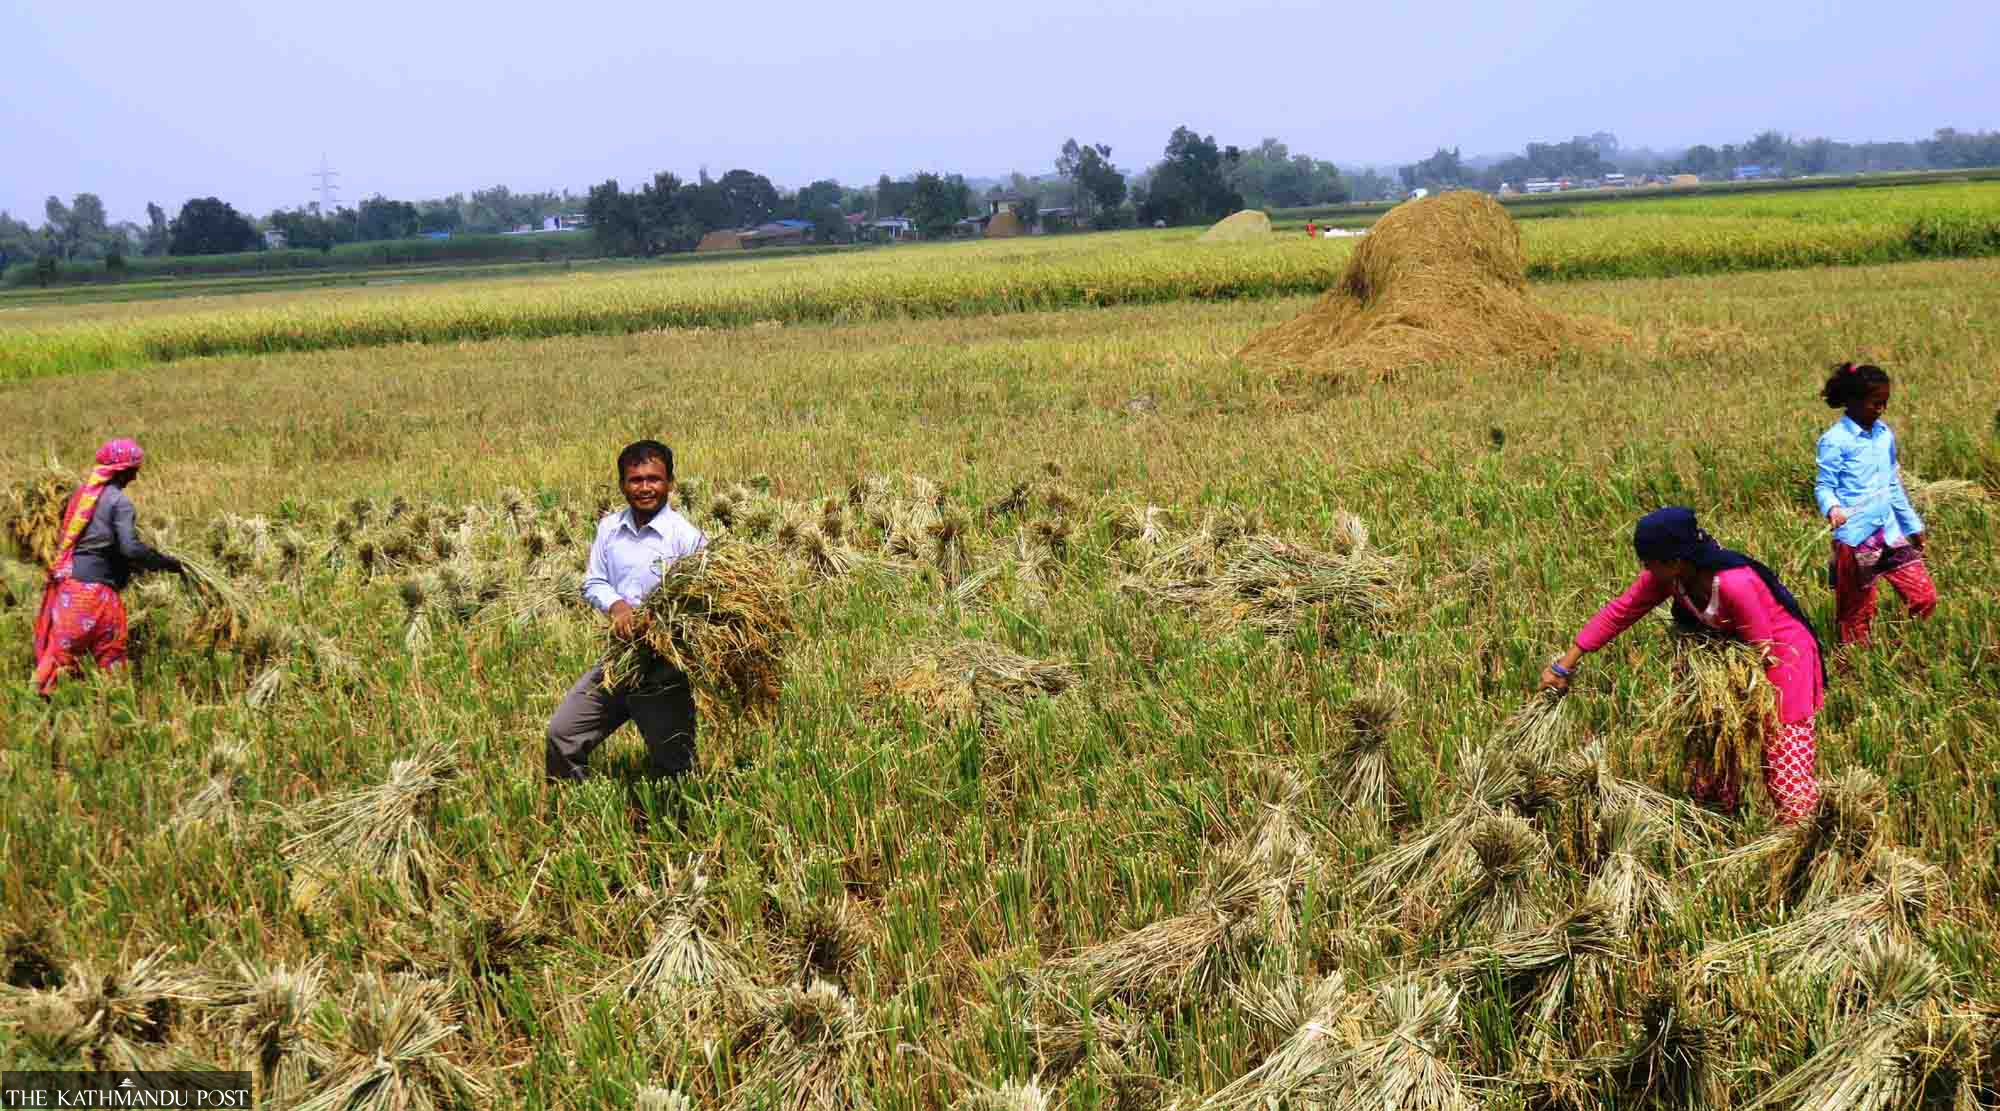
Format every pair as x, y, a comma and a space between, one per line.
239, 101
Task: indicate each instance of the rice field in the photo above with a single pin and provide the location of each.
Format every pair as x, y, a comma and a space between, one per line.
1643, 239
1152, 733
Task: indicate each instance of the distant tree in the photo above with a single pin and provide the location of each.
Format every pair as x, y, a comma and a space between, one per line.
1443, 169
615, 223
440, 215
56, 226
829, 223
1191, 185
1368, 185
18, 241
825, 193
157, 235
669, 213
937, 202
892, 198
382, 218
208, 226
1269, 175
303, 228
1703, 160
1769, 149
751, 197
1098, 186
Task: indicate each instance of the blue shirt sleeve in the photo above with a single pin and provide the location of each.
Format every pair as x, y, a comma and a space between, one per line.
1824, 483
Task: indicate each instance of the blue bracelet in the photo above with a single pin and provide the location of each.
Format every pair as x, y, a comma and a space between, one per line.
1557, 667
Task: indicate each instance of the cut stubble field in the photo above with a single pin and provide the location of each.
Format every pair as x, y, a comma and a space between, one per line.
900, 911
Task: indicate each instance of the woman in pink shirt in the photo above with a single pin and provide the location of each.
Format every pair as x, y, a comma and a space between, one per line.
1725, 593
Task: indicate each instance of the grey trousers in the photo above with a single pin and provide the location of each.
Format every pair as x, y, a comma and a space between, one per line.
659, 702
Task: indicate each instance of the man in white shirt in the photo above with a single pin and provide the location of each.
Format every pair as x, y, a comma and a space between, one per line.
632, 548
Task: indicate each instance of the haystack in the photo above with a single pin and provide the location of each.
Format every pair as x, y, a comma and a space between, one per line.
1248, 224
1005, 225
1440, 280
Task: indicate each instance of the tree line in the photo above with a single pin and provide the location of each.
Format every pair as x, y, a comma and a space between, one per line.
1772, 152
1196, 180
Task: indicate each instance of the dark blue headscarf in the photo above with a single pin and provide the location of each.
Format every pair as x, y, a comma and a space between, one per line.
1671, 533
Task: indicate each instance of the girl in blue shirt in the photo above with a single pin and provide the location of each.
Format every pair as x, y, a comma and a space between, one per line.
1876, 532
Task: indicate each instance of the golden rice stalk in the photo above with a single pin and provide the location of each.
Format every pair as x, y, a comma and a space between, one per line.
1823, 939
1400, 1058
1929, 495
682, 958
31, 513
381, 831
1370, 779
804, 1039
1872, 1062
1538, 730
1270, 583
1676, 1057
224, 615
1195, 951
1312, 1017
120, 1018
272, 1010
1635, 896
1827, 852
1420, 867
1527, 956
389, 1045
653, 1098
215, 801
1008, 1095
723, 617
969, 680
1718, 706
1505, 896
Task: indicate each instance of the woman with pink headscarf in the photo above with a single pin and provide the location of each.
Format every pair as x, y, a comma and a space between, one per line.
99, 550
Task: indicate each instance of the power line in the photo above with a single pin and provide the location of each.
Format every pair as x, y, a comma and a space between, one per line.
327, 188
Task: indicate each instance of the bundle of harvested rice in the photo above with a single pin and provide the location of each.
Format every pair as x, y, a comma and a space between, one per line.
1827, 853
1505, 895
1369, 782
389, 1043
1196, 951
806, 1037
215, 802
223, 613
121, 1018
273, 1006
1271, 583
1823, 939
1538, 730
1008, 1095
381, 832
31, 513
1718, 708
1421, 867
1439, 280
682, 960
723, 617
1401, 1057
1635, 896
1064, 1027
1871, 1062
654, 1098
1673, 1060
1929, 495
1312, 1019
970, 681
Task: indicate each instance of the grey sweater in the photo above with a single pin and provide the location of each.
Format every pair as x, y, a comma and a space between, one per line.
110, 550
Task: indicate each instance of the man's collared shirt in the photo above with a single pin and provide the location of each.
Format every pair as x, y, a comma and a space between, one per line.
626, 562
1858, 472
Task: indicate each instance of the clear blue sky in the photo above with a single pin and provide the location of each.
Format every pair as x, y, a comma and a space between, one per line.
139, 102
